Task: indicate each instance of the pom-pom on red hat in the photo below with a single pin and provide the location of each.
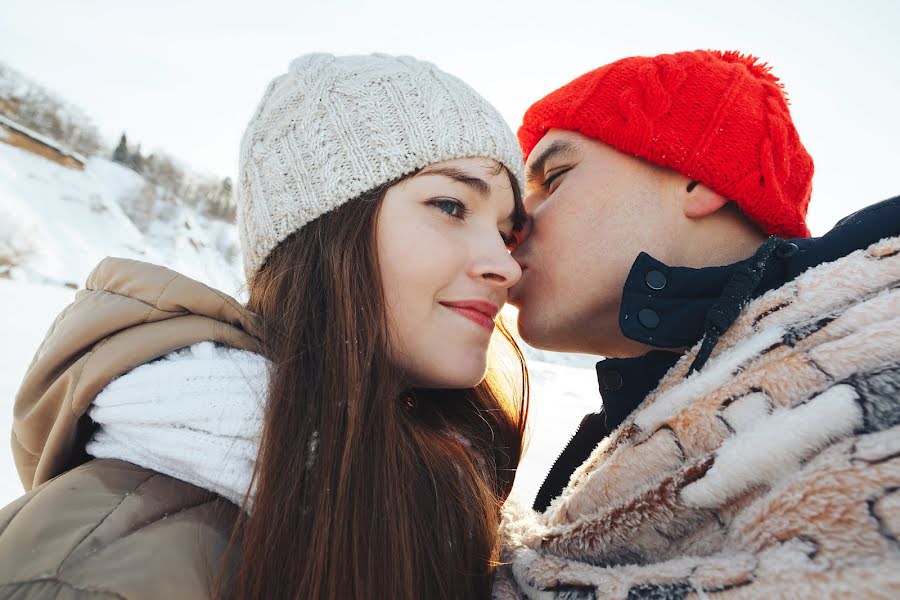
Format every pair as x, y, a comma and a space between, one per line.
720, 118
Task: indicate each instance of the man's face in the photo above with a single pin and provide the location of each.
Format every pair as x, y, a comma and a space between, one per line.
592, 210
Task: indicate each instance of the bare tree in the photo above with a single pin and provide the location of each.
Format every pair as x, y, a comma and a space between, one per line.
46, 113
141, 207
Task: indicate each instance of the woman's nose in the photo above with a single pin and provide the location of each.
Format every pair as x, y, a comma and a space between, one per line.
499, 267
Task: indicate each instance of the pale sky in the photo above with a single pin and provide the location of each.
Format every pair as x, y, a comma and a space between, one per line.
185, 76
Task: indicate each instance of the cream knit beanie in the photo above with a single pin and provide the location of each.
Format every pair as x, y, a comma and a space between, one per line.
332, 128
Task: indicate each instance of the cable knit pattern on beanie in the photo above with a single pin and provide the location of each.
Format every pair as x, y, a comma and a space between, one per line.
644, 100
783, 169
333, 128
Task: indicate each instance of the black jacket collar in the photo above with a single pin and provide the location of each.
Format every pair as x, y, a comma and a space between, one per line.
666, 307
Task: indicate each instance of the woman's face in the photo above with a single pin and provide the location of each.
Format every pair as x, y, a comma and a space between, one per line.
442, 238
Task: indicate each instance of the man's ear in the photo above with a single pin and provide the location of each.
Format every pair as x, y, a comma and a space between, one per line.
699, 201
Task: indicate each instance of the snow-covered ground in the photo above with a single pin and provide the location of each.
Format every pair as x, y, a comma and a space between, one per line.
26, 310
73, 219
560, 396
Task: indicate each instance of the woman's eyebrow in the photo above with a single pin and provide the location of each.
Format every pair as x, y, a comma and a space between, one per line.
516, 215
559, 148
479, 185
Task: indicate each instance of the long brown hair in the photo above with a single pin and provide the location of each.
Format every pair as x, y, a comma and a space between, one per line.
363, 489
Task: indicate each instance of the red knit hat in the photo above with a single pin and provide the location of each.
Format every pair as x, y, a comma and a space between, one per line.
719, 118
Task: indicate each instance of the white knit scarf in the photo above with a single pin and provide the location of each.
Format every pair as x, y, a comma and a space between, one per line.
195, 414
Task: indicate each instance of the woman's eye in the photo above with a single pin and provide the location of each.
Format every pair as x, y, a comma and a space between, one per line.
451, 207
548, 182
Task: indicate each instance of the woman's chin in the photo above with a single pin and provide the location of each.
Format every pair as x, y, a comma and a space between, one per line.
456, 376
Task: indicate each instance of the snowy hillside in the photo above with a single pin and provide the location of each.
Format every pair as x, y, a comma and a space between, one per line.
68, 220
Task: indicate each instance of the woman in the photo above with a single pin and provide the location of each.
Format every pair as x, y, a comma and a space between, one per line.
348, 408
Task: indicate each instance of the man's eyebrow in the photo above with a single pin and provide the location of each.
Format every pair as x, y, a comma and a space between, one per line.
479, 185
558, 148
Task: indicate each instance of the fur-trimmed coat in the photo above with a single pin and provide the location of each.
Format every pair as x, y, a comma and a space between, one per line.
774, 472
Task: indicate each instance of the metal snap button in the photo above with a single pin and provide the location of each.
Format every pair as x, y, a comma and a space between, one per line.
648, 318
655, 280
612, 380
786, 250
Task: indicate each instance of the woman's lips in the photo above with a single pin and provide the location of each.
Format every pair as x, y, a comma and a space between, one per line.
477, 311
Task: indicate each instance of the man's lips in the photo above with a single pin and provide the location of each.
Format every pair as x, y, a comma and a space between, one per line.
479, 311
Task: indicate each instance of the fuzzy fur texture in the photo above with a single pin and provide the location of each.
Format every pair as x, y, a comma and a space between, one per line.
772, 472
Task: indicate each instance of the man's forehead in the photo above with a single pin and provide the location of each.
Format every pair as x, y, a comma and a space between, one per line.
553, 136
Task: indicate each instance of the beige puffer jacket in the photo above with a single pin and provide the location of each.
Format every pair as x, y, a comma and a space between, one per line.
107, 528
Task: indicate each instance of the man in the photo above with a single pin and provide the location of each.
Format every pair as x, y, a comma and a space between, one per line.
748, 441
